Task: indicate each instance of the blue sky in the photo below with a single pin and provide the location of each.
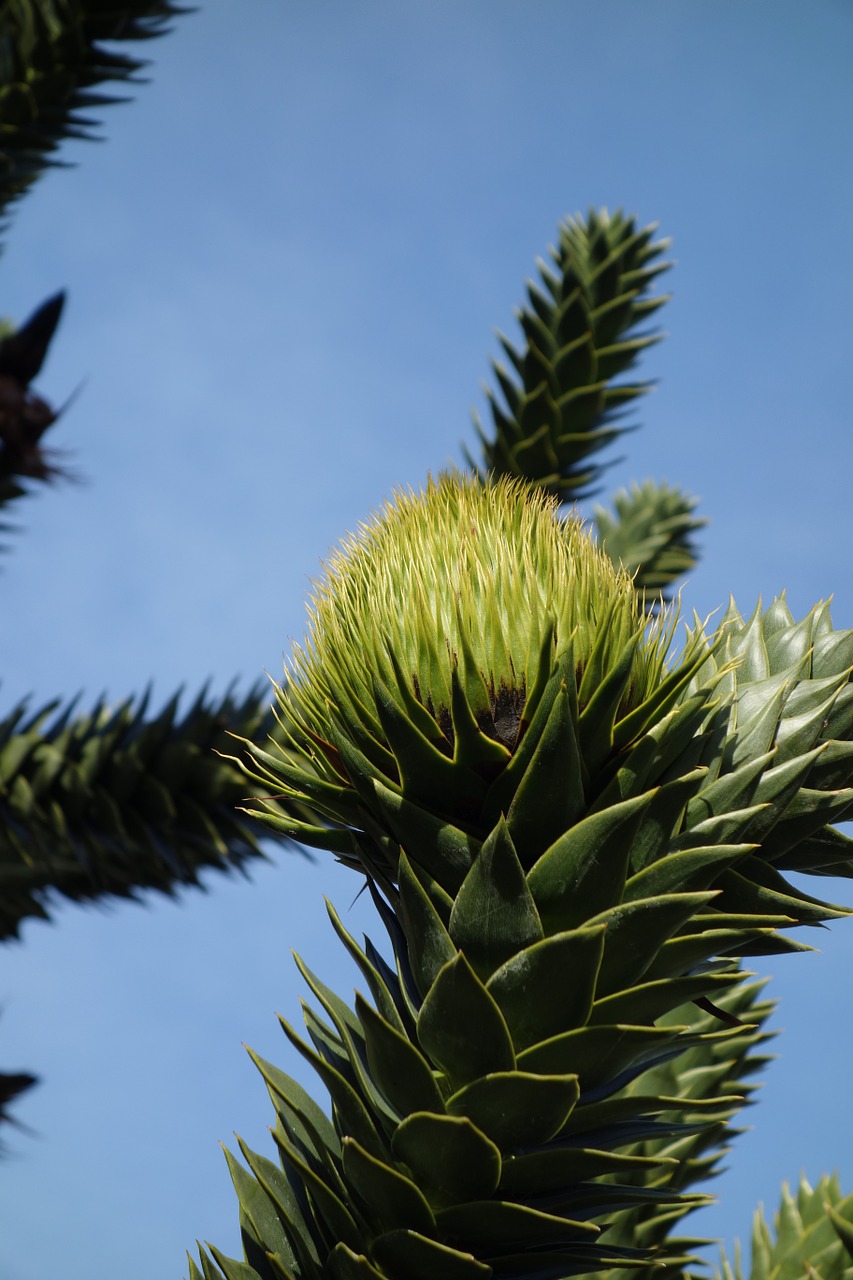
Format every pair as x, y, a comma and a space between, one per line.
285, 266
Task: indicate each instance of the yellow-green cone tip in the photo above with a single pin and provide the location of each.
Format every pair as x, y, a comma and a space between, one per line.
486, 580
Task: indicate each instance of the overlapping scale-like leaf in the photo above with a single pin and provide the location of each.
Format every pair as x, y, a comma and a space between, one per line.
501, 1121
779, 745
719, 1061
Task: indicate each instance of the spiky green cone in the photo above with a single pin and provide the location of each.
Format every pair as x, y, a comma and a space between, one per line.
813, 1240
466, 640
473, 659
564, 393
487, 722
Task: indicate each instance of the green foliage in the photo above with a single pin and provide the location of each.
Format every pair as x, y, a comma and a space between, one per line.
115, 800
105, 803
496, 580
741, 766
651, 534
563, 395
713, 1065
789, 701
54, 57
531, 1092
572, 839
461, 1143
110, 802
814, 1238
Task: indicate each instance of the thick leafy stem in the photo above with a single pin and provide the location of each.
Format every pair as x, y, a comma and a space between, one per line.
562, 398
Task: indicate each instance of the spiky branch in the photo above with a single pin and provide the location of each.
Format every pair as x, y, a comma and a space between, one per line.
115, 801
563, 395
720, 1062
651, 534
54, 59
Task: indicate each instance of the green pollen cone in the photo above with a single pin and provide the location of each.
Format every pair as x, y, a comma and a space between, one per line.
465, 641
473, 659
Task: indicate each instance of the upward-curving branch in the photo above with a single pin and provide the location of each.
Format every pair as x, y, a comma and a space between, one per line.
562, 397
564, 393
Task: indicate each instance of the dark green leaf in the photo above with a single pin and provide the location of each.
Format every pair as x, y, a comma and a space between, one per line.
430, 946
462, 1028
549, 988
394, 1200
515, 1108
494, 915
399, 1070
450, 1159
417, 1257
584, 871
494, 1226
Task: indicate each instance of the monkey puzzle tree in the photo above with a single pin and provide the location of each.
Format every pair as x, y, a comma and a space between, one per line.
575, 823
116, 800
573, 835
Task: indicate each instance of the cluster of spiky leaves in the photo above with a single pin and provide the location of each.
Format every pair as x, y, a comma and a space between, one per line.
116, 800
814, 1237
562, 399
781, 743
479, 1124
526, 668
651, 533
54, 57
109, 802
708, 1068
444, 637
566, 849
450, 1171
